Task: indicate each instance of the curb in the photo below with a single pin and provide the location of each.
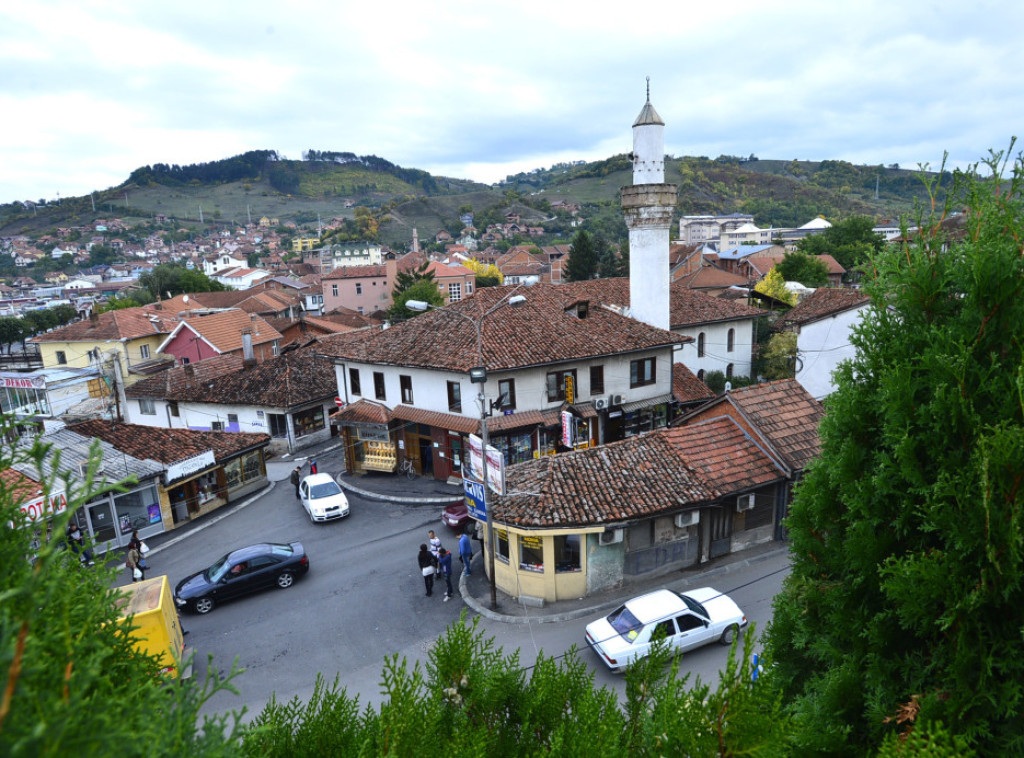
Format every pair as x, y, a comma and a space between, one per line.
555, 618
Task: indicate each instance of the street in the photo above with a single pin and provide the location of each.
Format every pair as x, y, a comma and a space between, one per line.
363, 599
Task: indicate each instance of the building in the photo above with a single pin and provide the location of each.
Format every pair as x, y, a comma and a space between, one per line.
231, 331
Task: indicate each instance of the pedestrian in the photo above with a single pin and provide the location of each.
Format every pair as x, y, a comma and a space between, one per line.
133, 563
434, 543
444, 564
137, 543
428, 567
312, 467
76, 541
465, 553
296, 476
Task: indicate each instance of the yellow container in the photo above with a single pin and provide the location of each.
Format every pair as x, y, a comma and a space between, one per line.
158, 630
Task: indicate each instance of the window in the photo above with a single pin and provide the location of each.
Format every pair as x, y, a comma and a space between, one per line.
184, 360
379, 390
405, 383
278, 425
62, 357
700, 375
728, 371
353, 381
454, 292
144, 351
567, 553
308, 421
359, 288
700, 345
275, 348
597, 380
217, 426
454, 397
146, 406
334, 290
172, 407
502, 553
469, 288
508, 386
531, 553
556, 384
641, 372
730, 340
233, 420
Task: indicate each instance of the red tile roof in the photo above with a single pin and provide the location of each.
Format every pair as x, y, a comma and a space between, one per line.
169, 445
686, 387
168, 384
822, 303
129, 323
224, 330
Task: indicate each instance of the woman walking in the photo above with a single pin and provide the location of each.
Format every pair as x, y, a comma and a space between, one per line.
428, 566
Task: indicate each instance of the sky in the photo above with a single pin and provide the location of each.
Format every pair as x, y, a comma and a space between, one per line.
91, 90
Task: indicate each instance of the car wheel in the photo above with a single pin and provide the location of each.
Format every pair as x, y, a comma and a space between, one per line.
285, 580
204, 605
729, 634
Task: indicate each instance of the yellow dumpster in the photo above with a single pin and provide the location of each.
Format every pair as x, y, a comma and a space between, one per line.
158, 630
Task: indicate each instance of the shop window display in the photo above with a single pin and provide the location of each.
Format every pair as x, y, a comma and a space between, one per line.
531, 553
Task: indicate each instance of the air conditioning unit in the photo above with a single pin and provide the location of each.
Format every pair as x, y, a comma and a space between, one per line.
744, 502
600, 404
610, 537
616, 399
691, 518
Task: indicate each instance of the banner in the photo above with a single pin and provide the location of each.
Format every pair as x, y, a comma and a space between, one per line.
495, 465
474, 497
568, 429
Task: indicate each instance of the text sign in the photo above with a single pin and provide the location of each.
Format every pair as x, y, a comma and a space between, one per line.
42, 507
476, 502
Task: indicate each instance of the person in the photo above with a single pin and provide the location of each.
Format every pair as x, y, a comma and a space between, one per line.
312, 467
428, 566
296, 477
434, 542
444, 563
132, 562
136, 542
76, 542
465, 553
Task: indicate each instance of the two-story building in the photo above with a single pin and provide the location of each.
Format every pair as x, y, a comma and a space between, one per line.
562, 373
231, 331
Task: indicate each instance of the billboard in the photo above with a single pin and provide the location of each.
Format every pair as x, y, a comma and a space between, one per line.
495, 465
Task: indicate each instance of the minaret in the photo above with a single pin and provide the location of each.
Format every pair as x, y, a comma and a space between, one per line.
648, 206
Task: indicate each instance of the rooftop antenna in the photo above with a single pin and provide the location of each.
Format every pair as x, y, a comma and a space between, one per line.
648, 89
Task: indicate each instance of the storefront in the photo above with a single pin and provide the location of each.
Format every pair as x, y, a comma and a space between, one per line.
308, 421
544, 564
194, 487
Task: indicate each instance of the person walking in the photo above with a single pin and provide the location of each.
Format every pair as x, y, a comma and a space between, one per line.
136, 543
465, 553
434, 543
444, 564
296, 477
133, 563
428, 567
76, 542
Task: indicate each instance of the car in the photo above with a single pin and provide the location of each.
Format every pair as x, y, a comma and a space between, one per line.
456, 516
323, 498
687, 619
240, 572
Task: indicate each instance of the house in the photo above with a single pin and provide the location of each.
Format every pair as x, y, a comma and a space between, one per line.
564, 372
231, 331
239, 278
213, 264
823, 322
200, 471
288, 397
759, 264
454, 282
366, 289
132, 335
38, 399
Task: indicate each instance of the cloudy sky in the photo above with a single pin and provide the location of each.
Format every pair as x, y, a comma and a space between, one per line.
92, 89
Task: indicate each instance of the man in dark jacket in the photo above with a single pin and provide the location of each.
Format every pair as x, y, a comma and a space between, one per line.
295, 479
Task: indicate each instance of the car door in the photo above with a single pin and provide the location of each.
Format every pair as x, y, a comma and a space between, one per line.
304, 495
263, 572
693, 631
236, 581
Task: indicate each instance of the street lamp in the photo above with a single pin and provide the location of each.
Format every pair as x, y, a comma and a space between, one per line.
478, 375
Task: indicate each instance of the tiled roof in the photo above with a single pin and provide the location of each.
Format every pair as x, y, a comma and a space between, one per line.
76, 447
224, 330
824, 302
21, 487
712, 277
129, 323
284, 381
686, 387
358, 272
724, 454
540, 331
169, 445
363, 411
167, 385
451, 421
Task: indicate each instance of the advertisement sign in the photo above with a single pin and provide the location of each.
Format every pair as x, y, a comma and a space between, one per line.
475, 501
570, 390
25, 383
41, 507
568, 429
189, 466
495, 465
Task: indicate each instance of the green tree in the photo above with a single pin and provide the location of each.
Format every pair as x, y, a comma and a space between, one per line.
117, 304
100, 255
65, 313
903, 608
777, 359
774, 286
800, 267
609, 264
170, 279
582, 258
850, 241
40, 321
72, 681
421, 289
406, 279
12, 329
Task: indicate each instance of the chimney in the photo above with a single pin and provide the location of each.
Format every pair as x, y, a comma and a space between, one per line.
248, 358
255, 324
190, 374
94, 317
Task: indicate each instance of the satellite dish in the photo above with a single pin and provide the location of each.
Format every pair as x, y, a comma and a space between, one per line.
184, 298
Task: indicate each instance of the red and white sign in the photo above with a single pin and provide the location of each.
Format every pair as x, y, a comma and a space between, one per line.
20, 382
41, 507
339, 402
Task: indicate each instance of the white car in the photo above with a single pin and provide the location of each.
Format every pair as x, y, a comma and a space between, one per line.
688, 619
322, 498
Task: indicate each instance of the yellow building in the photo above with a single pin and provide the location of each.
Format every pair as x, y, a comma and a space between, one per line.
302, 244
133, 334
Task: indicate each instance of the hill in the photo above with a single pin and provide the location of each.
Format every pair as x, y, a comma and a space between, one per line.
327, 185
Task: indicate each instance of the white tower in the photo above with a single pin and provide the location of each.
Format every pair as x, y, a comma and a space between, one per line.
648, 206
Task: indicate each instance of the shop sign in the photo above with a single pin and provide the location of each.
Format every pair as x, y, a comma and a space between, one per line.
24, 382
495, 464
568, 429
373, 433
475, 501
42, 507
189, 466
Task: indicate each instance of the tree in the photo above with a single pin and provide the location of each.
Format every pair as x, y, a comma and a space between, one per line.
582, 258
12, 329
40, 321
421, 289
774, 286
800, 267
406, 279
100, 255
170, 279
73, 683
777, 359
609, 264
907, 584
117, 304
850, 241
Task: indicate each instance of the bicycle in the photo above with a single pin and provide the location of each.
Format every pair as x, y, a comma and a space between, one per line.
408, 469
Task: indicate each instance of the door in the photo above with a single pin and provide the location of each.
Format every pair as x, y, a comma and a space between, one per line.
693, 631
102, 521
720, 526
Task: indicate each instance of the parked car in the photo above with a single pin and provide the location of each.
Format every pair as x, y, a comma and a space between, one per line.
456, 516
688, 620
240, 572
322, 498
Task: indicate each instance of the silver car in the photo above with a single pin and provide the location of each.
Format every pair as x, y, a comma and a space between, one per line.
322, 498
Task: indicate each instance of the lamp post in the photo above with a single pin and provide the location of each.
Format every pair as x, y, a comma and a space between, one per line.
478, 375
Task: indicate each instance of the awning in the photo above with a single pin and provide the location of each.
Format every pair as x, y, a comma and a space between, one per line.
449, 421
650, 402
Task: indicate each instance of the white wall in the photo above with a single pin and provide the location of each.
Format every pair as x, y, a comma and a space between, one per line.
821, 346
716, 356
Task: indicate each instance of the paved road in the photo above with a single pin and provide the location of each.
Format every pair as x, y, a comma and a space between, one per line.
363, 599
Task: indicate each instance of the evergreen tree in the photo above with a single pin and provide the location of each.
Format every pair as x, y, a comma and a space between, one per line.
810, 271
850, 241
582, 258
903, 609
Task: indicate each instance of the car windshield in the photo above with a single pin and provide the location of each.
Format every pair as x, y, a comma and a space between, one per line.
216, 572
625, 623
326, 489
